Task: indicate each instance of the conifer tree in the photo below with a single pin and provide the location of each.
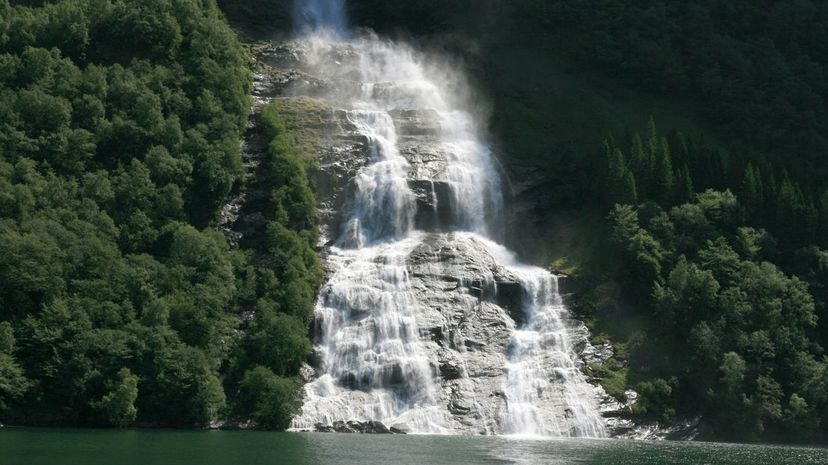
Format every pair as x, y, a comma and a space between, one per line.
664, 174
752, 193
620, 180
717, 170
822, 238
652, 149
653, 142
771, 192
796, 216
629, 189
786, 201
637, 156
684, 186
679, 154
641, 165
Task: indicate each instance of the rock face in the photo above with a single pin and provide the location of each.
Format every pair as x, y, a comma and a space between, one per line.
425, 324
455, 279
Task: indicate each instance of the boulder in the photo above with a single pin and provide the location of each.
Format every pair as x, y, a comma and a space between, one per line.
364, 427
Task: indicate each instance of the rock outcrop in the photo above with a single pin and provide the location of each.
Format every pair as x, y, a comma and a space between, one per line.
466, 295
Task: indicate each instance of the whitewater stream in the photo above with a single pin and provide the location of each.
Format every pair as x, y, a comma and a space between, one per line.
425, 323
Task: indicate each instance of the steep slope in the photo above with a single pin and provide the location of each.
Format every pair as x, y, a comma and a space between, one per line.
415, 328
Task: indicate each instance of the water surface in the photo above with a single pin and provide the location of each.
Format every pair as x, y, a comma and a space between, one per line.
24, 446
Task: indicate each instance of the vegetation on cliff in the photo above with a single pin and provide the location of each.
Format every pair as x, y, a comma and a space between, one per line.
119, 301
282, 286
703, 247
713, 283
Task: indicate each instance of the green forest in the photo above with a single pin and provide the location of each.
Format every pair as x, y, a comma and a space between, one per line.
709, 268
120, 302
714, 280
684, 148
715, 291
688, 177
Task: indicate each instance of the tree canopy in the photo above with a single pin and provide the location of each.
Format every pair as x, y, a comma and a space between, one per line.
120, 302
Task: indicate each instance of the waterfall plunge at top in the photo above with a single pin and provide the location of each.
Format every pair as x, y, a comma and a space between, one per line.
414, 328
316, 15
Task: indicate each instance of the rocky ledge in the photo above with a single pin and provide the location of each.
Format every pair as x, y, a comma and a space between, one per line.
370, 427
469, 306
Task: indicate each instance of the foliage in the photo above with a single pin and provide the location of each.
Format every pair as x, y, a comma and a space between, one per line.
118, 403
285, 288
757, 83
119, 302
720, 237
273, 400
760, 87
13, 383
728, 333
728, 293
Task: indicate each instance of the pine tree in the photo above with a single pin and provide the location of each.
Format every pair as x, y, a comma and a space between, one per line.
653, 142
770, 194
717, 170
696, 162
784, 206
796, 216
809, 222
629, 188
637, 156
684, 186
752, 193
664, 174
615, 171
679, 152
620, 180
652, 149
641, 165
822, 238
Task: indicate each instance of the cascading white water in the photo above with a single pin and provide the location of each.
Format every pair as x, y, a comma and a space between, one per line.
375, 363
373, 367
541, 370
383, 207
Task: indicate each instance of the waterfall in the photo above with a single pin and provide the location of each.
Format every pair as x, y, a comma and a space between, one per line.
374, 369
414, 326
383, 206
540, 363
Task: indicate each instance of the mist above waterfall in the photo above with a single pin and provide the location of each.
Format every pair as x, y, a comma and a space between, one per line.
314, 16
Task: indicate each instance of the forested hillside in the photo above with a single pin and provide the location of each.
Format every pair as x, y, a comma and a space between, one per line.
679, 174
716, 297
120, 302
714, 277
684, 184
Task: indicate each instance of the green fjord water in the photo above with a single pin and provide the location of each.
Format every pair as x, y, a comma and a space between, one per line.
141, 447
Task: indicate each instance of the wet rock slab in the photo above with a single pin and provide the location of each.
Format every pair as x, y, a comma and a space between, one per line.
467, 305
